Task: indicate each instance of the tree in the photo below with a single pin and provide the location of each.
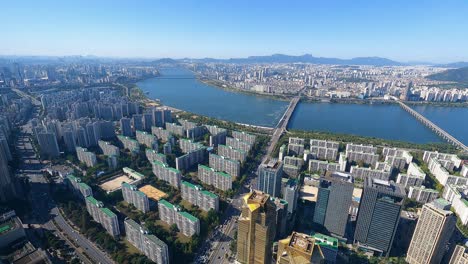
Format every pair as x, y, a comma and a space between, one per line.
174, 229
212, 218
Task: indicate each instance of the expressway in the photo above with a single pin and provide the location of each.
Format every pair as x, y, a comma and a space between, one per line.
44, 211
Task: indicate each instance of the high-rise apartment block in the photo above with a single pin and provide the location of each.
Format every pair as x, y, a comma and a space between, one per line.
187, 145
151, 246
323, 166
292, 166
86, 157
175, 129
361, 173
126, 127
103, 215
163, 172
217, 135
48, 144
129, 143
153, 155
188, 224
108, 149
161, 133
323, 149
238, 144
147, 139
433, 230
422, 194
295, 149
410, 180
256, 228
457, 196
295, 140
460, 255
220, 163
219, 180
449, 161
397, 158
244, 137
350, 147
190, 159
232, 153
78, 187
132, 195
197, 196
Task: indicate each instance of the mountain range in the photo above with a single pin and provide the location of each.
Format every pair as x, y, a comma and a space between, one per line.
306, 58
453, 75
275, 58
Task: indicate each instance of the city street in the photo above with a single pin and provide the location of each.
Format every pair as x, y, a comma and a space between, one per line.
44, 211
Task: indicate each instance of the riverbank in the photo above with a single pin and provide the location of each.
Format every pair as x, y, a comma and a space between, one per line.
220, 85
287, 97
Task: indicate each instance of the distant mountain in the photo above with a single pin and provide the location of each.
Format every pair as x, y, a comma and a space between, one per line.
452, 75
306, 58
459, 64
164, 60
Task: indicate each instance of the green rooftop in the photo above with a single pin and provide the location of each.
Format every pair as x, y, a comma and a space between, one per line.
159, 163
6, 227
84, 185
156, 240
72, 177
189, 216
204, 167
140, 194
224, 174
108, 212
133, 223
210, 194
191, 185
126, 185
325, 241
92, 200
229, 147
173, 169
167, 204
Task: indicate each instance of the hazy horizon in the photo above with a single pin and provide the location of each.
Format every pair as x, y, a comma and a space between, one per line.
399, 30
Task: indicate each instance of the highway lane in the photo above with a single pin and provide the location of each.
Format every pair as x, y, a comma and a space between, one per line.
87, 246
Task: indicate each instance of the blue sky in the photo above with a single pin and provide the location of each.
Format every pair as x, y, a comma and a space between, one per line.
408, 30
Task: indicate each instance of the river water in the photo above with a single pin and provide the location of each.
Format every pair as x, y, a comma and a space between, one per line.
178, 88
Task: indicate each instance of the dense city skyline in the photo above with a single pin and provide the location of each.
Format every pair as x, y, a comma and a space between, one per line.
402, 31
247, 132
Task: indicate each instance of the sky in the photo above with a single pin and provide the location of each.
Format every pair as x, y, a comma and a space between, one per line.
433, 31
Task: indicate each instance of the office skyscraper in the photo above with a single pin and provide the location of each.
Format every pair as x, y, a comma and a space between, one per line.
434, 229
256, 229
379, 214
333, 201
269, 177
